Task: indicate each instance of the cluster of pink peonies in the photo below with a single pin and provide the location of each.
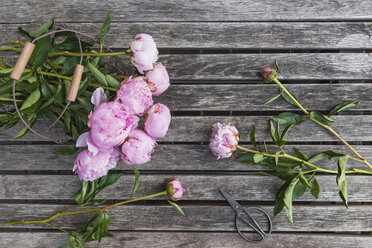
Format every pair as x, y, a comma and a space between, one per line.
114, 125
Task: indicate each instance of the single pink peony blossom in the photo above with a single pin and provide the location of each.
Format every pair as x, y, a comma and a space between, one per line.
175, 190
136, 95
110, 124
90, 167
224, 140
268, 74
157, 120
137, 148
158, 79
144, 52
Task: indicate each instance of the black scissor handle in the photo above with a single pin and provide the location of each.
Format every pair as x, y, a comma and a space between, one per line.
255, 226
247, 211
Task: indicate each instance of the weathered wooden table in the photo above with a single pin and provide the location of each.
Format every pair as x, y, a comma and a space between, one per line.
213, 51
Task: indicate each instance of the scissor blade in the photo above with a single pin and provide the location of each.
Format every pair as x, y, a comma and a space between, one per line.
234, 204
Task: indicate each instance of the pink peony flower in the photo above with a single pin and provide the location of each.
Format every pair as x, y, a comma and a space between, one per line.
175, 190
157, 120
158, 79
136, 95
90, 167
110, 124
144, 52
224, 140
268, 74
137, 148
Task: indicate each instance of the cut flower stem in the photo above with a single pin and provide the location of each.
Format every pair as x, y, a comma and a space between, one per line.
46, 221
315, 168
328, 127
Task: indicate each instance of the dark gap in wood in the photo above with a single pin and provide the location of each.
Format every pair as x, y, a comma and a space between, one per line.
258, 81
254, 113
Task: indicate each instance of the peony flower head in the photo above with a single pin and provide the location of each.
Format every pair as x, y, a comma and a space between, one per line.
224, 140
110, 124
90, 167
136, 95
158, 79
144, 52
174, 189
137, 148
157, 120
268, 74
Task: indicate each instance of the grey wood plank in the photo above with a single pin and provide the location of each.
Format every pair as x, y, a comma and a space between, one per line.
175, 10
322, 218
294, 66
198, 129
177, 157
190, 240
252, 35
198, 187
230, 97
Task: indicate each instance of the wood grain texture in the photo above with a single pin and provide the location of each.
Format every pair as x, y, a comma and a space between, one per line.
293, 66
18, 11
198, 187
198, 129
216, 35
252, 97
188, 240
322, 218
177, 157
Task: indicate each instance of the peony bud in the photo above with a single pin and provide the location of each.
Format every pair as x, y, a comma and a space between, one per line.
158, 79
268, 74
175, 190
144, 52
90, 167
136, 95
224, 140
137, 148
157, 120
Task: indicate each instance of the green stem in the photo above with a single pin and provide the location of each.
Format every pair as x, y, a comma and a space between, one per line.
10, 49
304, 162
329, 128
83, 211
88, 54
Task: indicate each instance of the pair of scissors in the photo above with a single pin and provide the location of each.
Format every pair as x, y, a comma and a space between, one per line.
240, 211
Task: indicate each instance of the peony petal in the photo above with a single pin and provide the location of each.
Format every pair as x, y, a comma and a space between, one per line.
98, 97
82, 140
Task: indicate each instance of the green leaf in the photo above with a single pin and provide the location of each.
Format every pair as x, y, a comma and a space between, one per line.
288, 99
45, 89
303, 180
315, 188
24, 33
265, 146
59, 98
288, 118
279, 204
69, 65
273, 133
288, 199
40, 53
25, 129
300, 155
284, 133
101, 78
178, 208
6, 87
322, 118
246, 158
277, 158
252, 137
258, 158
136, 181
343, 106
44, 28
341, 178
67, 150
105, 28
31, 99
112, 82
273, 99
298, 191
323, 155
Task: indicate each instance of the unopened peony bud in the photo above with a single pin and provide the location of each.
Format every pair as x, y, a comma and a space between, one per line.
157, 120
158, 79
268, 74
224, 140
175, 190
